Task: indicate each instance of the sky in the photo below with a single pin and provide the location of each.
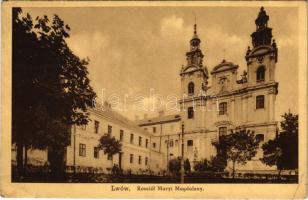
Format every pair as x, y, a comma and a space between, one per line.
134, 49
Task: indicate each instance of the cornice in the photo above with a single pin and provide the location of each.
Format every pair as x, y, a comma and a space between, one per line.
254, 52
232, 68
248, 125
197, 68
247, 89
160, 122
190, 99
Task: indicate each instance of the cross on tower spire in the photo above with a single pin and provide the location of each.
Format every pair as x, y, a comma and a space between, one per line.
195, 56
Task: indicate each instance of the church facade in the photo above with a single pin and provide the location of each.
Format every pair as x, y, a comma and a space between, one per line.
207, 112
229, 103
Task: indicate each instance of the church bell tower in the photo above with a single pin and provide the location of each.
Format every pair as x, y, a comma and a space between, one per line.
261, 66
262, 58
194, 80
195, 55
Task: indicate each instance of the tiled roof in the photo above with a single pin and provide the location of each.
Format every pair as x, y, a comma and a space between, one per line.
160, 119
109, 114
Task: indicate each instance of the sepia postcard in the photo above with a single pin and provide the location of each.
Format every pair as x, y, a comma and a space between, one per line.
162, 99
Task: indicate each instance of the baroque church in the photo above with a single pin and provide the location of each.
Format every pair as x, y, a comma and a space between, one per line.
209, 111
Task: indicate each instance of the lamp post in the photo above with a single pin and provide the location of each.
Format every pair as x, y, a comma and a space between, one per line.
74, 158
167, 143
182, 157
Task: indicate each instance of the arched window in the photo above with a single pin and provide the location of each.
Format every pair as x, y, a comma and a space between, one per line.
260, 74
191, 88
222, 108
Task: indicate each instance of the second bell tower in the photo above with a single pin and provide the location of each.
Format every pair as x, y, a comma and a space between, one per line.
262, 58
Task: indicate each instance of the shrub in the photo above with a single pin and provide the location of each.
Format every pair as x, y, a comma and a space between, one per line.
202, 166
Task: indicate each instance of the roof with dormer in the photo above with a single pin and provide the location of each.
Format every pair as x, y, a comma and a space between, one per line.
224, 66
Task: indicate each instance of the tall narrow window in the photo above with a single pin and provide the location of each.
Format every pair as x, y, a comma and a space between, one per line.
146, 161
96, 152
154, 129
109, 130
154, 145
223, 108
190, 113
121, 135
171, 143
131, 158
131, 138
191, 88
140, 141
260, 74
260, 101
222, 131
139, 160
82, 150
146, 143
96, 126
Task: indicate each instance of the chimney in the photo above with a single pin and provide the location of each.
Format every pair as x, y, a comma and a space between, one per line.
161, 113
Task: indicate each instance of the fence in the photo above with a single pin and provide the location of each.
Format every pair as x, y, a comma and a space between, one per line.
89, 175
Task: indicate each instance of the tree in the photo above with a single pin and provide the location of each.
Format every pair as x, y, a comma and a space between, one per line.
202, 165
283, 150
175, 165
217, 163
237, 147
110, 145
187, 166
50, 87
